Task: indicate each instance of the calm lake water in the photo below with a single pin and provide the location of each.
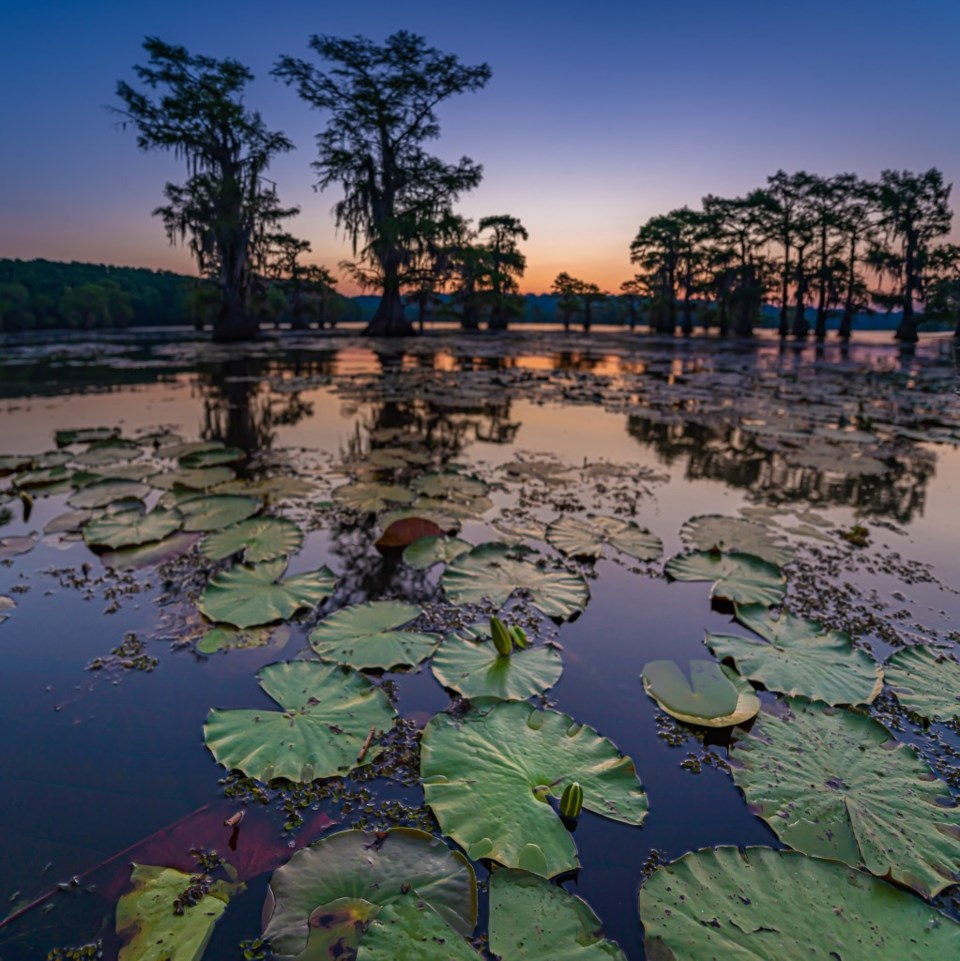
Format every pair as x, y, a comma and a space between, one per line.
655, 431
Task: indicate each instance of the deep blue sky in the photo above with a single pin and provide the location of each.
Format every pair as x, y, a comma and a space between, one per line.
598, 115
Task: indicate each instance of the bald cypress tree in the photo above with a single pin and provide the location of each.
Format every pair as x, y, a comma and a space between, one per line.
193, 106
380, 102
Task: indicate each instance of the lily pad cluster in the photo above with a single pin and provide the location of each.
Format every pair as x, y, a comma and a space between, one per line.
505, 777
405, 894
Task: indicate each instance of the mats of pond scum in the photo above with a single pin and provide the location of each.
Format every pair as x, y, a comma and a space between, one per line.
533, 648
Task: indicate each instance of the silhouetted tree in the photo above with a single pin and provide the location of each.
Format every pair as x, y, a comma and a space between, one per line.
632, 292
782, 209
567, 289
913, 214
656, 249
590, 294
381, 102
225, 205
943, 285
507, 264
855, 225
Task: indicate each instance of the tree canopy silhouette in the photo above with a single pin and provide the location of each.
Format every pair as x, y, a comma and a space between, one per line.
194, 107
381, 103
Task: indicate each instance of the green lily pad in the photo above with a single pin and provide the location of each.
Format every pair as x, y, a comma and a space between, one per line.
368, 497
489, 572
177, 447
738, 578
316, 899
251, 596
926, 682
835, 784
217, 512
761, 904
150, 555
450, 485
44, 480
410, 930
462, 509
798, 657
579, 538
368, 636
223, 638
328, 712
102, 493
16, 544
276, 488
199, 479
112, 452
212, 457
11, 463
68, 523
714, 696
389, 458
259, 539
710, 532
130, 529
148, 926
7, 604
534, 920
473, 668
487, 776
428, 551
85, 435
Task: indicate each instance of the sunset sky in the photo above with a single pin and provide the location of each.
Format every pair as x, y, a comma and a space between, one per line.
597, 117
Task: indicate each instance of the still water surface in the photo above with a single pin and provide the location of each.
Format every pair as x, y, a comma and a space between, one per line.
95, 761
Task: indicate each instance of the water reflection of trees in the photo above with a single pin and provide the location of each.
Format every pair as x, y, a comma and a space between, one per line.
245, 398
415, 404
725, 453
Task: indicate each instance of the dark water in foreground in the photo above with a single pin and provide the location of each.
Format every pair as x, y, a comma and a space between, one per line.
95, 761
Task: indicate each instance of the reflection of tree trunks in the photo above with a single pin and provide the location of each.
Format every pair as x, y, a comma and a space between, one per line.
725, 453
233, 323
237, 408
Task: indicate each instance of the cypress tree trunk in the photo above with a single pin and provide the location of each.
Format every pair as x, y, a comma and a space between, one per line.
800, 326
907, 331
390, 319
821, 328
498, 319
784, 328
846, 322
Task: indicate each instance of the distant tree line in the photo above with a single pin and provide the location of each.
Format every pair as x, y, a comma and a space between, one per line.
45, 295
832, 245
49, 295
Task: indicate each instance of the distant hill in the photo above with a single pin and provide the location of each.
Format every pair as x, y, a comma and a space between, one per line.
50, 295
